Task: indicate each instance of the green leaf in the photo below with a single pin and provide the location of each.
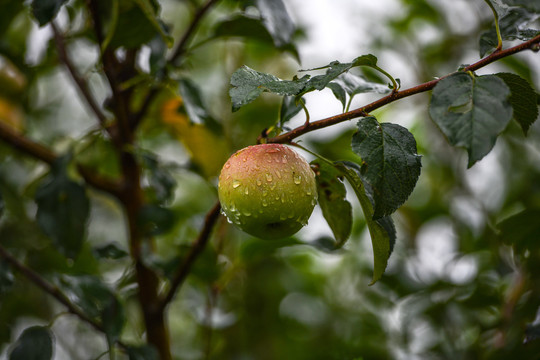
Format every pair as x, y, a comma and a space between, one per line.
511, 22
63, 209
155, 220
193, 102
10, 10
390, 163
113, 318
250, 27
290, 106
161, 181
109, 251
143, 352
7, 279
354, 84
531, 5
471, 111
332, 199
247, 84
45, 10
133, 29
523, 100
521, 230
35, 343
2, 205
88, 292
382, 231
150, 10
338, 92
276, 20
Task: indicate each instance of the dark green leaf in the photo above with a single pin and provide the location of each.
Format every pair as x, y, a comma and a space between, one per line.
471, 111
339, 93
523, 100
532, 333
109, 251
150, 10
2, 205
511, 22
531, 5
157, 59
354, 84
6, 277
87, 292
276, 20
382, 231
319, 82
195, 107
521, 230
143, 352
113, 318
155, 220
133, 29
161, 181
10, 9
247, 84
290, 106
35, 343
332, 199
390, 164
63, 209
46, 10
243, 26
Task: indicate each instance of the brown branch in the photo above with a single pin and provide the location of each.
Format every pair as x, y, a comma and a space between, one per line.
196, 249
82, 85
181, 47
52, 290
43, 153
287, 137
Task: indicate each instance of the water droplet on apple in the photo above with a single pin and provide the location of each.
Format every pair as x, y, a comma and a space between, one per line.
264, 203
278, 174
297, 179
282, 217
246, 191
227, 165
268, 177
236, 183
259, 182
284, 159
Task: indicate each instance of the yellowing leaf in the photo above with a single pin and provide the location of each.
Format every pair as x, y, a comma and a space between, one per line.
11, 115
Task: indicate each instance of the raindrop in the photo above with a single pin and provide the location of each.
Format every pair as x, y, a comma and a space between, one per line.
283, 198
244, 159
264, 203
284, 159
265, 192
282, 217
308, 193
246, 213
259, 182
246, 191
272, 186
268, 177
297, 179
236, 183
278, 174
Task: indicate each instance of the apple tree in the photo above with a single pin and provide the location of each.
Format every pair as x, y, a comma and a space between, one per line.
120, 239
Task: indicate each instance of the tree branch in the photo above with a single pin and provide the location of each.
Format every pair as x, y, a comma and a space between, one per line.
287, 137
181, 47
179, 50
52, 290
82, 85
196, 249
43, 153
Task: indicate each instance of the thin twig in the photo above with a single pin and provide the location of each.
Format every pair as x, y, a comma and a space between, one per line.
52, 290
43, 153
82, 85
178, 51
360, 112
196, 249
181, 47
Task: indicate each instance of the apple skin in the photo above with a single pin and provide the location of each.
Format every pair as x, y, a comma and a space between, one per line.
267, 190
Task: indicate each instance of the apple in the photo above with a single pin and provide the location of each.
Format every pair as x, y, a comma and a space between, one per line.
267, 190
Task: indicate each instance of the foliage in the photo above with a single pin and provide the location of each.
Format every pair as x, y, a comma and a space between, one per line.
113, 132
